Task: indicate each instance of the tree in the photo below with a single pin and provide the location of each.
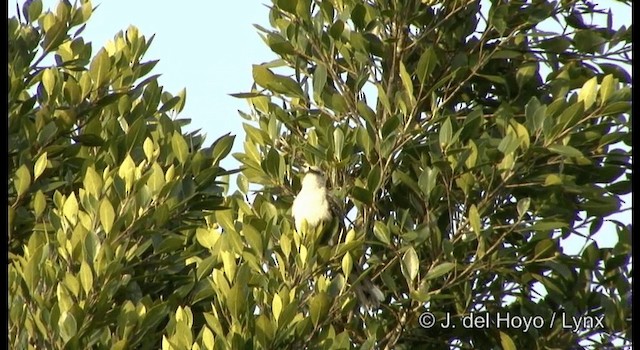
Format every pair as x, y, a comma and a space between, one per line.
105, 191
462, 145
466, 140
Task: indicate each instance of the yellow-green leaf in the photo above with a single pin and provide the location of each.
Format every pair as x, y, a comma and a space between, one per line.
406, 79
86, 277
347, 264
229, 264
506, 342
276, 306
40, 166
523, 206
22, 180
319, 307
381, 232
92, 182
440, 270
148, 147
156, 180
207, 237
607, 87
410, 264
207, 338
474, 219
107, 215
99, 68
338, 143
39, 203
70, 208
67, 325
48, 80
127, 170
588, 92
552, 179
180, 147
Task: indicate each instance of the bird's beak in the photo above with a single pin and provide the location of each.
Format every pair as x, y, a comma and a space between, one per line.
305, 168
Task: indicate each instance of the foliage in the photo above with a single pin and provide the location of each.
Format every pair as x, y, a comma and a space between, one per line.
466, 140
105, 191
462, 140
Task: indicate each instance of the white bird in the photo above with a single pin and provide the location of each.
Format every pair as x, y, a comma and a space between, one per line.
312, 202
312, 206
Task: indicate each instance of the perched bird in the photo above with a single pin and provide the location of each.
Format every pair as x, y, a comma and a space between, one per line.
312, 203
313, 206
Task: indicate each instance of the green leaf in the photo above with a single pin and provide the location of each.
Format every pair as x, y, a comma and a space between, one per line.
40, 166
49, 81
107, 215
70, 208
338, 143
319, 79
410, 264
221, 147
276, 83
319, 307
89, 140
566, 151
148, 148
525, 73
287, 6
406, 179
440, 270
54, 36
39, 203
535, 113
86, 277
523, 206
100, 67
207, 237
446, 133
427, 180
92, 182
254, 238
180, 147
493, 78
156, 180
552, 179
367, 113
35, 9
589, 92
474, 219
381, 232
506, 342
546, 226
616, 108
22, 180
426, 64
607, 87
361, 194
347, 264
276, 306
279, 45
544, 249
406, 79
383, 98
67, 325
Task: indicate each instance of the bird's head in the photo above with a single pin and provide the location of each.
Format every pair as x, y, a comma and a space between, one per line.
313, 176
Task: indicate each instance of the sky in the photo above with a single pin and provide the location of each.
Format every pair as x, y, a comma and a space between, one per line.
208, 48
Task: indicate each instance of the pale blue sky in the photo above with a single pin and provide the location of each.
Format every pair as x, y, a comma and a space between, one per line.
209, 47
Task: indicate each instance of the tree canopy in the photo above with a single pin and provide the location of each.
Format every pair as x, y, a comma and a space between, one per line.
463, 141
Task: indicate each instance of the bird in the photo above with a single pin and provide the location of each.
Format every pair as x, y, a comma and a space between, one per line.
312, 203
312, 207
